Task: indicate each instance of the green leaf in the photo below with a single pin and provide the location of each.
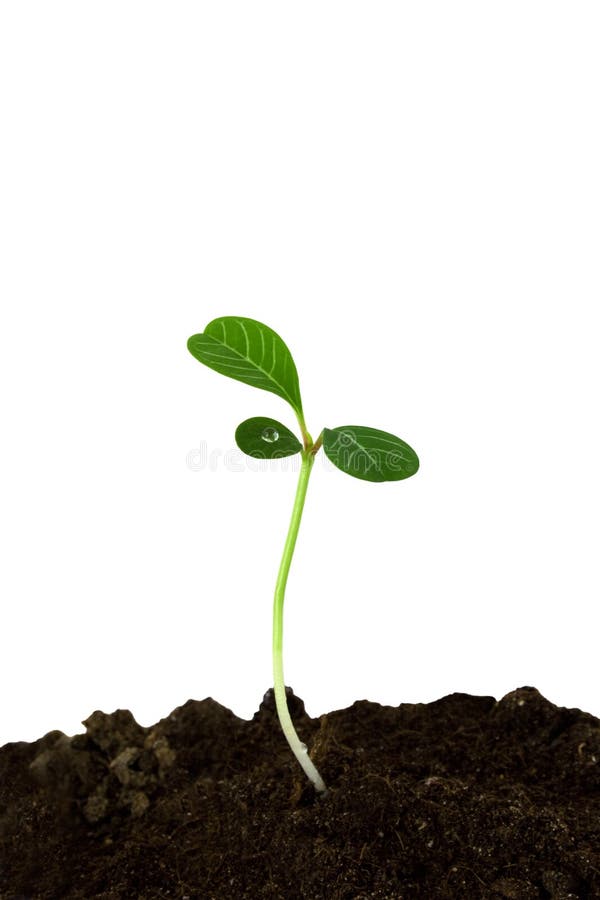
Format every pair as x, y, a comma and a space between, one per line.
250, 352
265, 438
369, 454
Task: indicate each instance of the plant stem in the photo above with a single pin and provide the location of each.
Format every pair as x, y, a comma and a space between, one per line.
308, 441
298, 748
317, 445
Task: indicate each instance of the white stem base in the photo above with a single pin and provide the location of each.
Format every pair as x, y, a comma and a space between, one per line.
297, 747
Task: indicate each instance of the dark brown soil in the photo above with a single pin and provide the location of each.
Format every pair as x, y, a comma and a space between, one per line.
465, 797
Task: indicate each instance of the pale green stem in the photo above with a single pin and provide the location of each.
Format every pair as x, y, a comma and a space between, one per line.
298, 748
308, 442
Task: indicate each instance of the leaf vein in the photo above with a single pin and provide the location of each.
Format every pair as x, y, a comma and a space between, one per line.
243, 327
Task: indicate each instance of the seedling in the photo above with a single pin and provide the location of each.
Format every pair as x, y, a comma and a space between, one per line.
253, 353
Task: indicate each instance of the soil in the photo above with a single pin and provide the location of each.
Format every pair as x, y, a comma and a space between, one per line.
465, 797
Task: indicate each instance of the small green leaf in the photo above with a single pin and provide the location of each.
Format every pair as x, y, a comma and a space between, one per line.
265, 438
369, 454
250, 352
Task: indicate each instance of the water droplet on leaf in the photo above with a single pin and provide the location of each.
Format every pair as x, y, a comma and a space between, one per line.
270, 435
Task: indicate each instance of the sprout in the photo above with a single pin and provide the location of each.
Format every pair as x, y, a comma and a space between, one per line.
253, 353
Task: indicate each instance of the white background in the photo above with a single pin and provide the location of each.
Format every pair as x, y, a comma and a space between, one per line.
409, 194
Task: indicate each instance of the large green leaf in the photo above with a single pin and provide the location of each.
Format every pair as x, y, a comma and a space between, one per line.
250, 352
265, 438
369, 454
